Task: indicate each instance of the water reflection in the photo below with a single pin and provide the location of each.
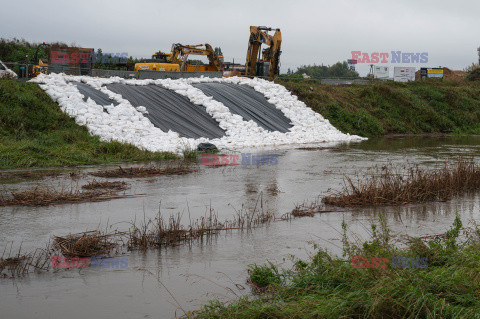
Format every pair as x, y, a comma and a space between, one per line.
200, 271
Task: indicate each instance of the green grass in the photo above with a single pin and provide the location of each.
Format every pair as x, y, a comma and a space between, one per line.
395, 108
327, 286
34, 132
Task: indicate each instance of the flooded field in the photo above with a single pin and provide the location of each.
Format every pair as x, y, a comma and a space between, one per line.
165, 283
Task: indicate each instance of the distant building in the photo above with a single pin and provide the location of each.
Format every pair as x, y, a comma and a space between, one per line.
71, 60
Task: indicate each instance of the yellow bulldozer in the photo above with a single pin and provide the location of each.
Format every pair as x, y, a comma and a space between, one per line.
177, 60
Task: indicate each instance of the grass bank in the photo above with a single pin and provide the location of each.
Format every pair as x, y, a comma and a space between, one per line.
433, 277
34, 132
395, 108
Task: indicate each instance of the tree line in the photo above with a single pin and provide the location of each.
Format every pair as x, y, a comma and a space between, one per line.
337, 70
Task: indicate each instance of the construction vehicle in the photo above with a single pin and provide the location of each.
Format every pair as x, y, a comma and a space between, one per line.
160, 61
231, 69
177, 60
269, 62
42, 66
180, 54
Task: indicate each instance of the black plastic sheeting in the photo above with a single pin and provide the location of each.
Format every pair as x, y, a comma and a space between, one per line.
248, 103
168, 110
98, 96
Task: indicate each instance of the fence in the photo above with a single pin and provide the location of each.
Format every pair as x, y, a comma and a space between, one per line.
23, 71
330, 81
143, 75
154, 75
109, 73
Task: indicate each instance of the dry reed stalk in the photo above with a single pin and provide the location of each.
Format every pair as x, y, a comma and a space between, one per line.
85, 244
412, 185
43, 196
94, 185
147, 171
21, 264
159, 232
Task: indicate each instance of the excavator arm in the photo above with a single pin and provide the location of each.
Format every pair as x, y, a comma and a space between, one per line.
213, 58
259, 36
181, 52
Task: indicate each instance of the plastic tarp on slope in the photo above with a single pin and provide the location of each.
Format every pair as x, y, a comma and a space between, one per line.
248, 103
127, 124
168, 110
89, 92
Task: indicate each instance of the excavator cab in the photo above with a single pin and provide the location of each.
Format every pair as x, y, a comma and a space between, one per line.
267, 65
161, 57
262, 68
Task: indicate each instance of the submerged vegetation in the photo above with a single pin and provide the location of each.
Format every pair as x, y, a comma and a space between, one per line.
93, 185
19, 265
154, 233
411, 185
383, 108
160, 232
85, 244
444, 284
175, 168
44, 196
34, 132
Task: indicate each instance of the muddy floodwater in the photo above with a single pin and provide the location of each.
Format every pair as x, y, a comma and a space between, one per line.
164, 283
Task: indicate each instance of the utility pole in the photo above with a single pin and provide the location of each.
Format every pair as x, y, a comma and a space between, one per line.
26, 66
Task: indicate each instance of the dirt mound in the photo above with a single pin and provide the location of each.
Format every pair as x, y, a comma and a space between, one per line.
453, 75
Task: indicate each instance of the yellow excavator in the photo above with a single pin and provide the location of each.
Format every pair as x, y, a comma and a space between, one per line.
177, 60
160, 61
269, 62
180, 54
42, 66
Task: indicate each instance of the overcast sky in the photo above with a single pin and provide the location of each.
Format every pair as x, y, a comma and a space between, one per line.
313, 31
